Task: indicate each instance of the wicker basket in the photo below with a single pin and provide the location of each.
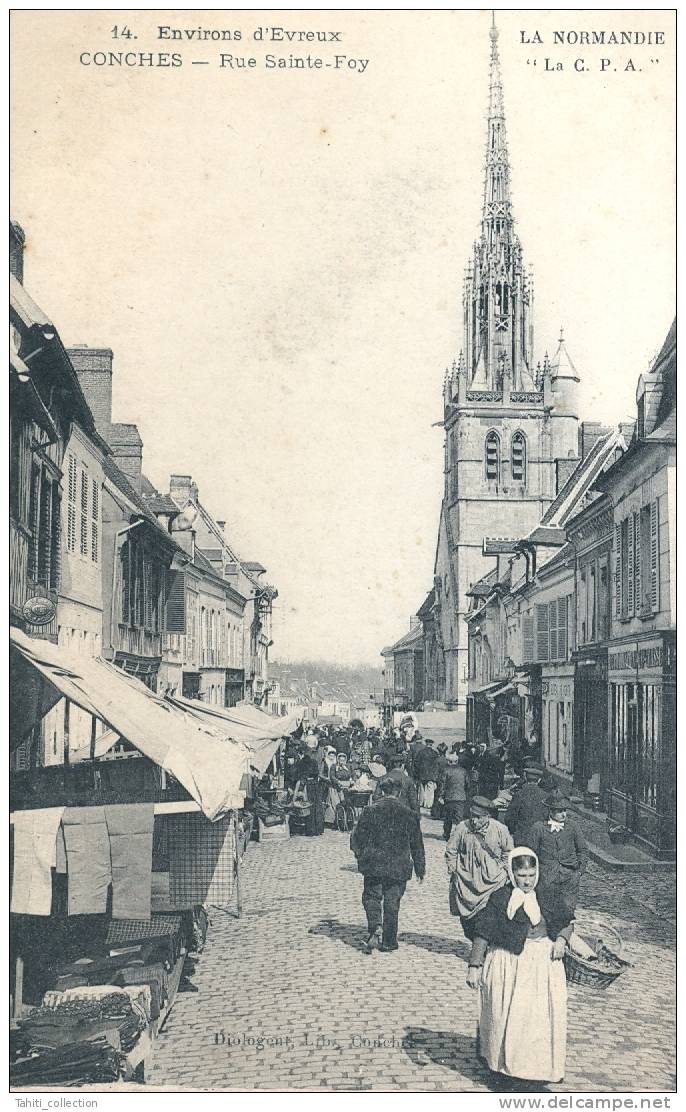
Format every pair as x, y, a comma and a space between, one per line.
596, 974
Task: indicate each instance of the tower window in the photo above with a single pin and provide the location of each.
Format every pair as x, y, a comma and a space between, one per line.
492, 456
519, 458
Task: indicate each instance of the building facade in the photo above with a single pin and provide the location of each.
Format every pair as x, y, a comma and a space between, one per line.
138, 554
640, 791
511, 427
56, 482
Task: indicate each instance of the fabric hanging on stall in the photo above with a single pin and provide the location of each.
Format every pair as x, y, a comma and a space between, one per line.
260, 733
60, 851
35, 841
129, 826
88, 860
198, 754
201, 860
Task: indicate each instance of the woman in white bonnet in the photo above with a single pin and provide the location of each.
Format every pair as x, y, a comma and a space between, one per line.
516, 964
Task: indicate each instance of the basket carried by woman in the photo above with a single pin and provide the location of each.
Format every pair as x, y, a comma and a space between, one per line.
606, 944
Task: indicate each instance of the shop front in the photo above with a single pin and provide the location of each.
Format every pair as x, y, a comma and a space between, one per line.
495, 711
642, 752
235, 683
557, 715
590, 722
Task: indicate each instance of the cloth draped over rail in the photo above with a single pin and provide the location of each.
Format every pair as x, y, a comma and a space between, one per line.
198, 748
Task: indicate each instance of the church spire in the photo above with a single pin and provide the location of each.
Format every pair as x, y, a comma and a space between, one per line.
498, 294
496, 220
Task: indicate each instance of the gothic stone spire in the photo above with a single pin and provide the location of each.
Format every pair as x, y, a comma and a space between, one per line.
498, 297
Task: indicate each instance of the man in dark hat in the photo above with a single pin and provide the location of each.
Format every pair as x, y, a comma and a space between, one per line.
441, 766
426, 767
388, 844
528, 805
561, 849
476, 856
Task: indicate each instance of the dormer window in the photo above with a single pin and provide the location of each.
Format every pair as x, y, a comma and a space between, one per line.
518, 458
492, 457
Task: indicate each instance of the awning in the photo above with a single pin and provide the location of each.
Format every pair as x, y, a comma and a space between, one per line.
490, 690
201, 757
258, 731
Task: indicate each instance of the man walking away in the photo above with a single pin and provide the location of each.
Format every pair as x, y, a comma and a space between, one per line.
454, 792
528, 805
408, 791
441, 766
426, 769
387, 843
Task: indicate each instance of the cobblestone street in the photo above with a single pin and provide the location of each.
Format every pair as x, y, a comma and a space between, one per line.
287, 999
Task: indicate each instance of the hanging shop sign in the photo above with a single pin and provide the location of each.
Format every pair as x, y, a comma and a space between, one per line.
38, 610
499, 546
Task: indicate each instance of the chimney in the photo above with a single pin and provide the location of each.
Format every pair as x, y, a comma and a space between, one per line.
94, 369
127, 449
414, 621
222, 526
589, 432
182, 489
17, 241
565, 467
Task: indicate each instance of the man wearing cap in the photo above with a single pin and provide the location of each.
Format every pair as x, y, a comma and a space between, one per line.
408, 791
388, 844
528, 805
453, 792
561, 850
476, 856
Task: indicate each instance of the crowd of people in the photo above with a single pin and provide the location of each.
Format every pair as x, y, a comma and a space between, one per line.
514, 863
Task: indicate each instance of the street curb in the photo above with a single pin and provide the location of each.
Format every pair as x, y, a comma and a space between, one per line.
601, 858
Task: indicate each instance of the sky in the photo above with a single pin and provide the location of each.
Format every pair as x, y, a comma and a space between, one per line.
276, 257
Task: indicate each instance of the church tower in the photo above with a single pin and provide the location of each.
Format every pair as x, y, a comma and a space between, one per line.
510, 425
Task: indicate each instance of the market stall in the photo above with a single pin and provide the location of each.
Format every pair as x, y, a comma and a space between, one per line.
115, 854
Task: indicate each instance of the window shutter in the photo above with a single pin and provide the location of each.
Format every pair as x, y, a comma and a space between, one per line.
542, 632
638, 587
71, 484
630, 571
175, 617
138, 577
562, 628
147, 592
55, 539
552, 626
84, 513
126, 583
654, 558
44, 539
528, 645
71, 526
34, 520
618, 570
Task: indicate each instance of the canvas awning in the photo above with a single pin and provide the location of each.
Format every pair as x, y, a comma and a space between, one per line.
208, 763
491, 690
258, 731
